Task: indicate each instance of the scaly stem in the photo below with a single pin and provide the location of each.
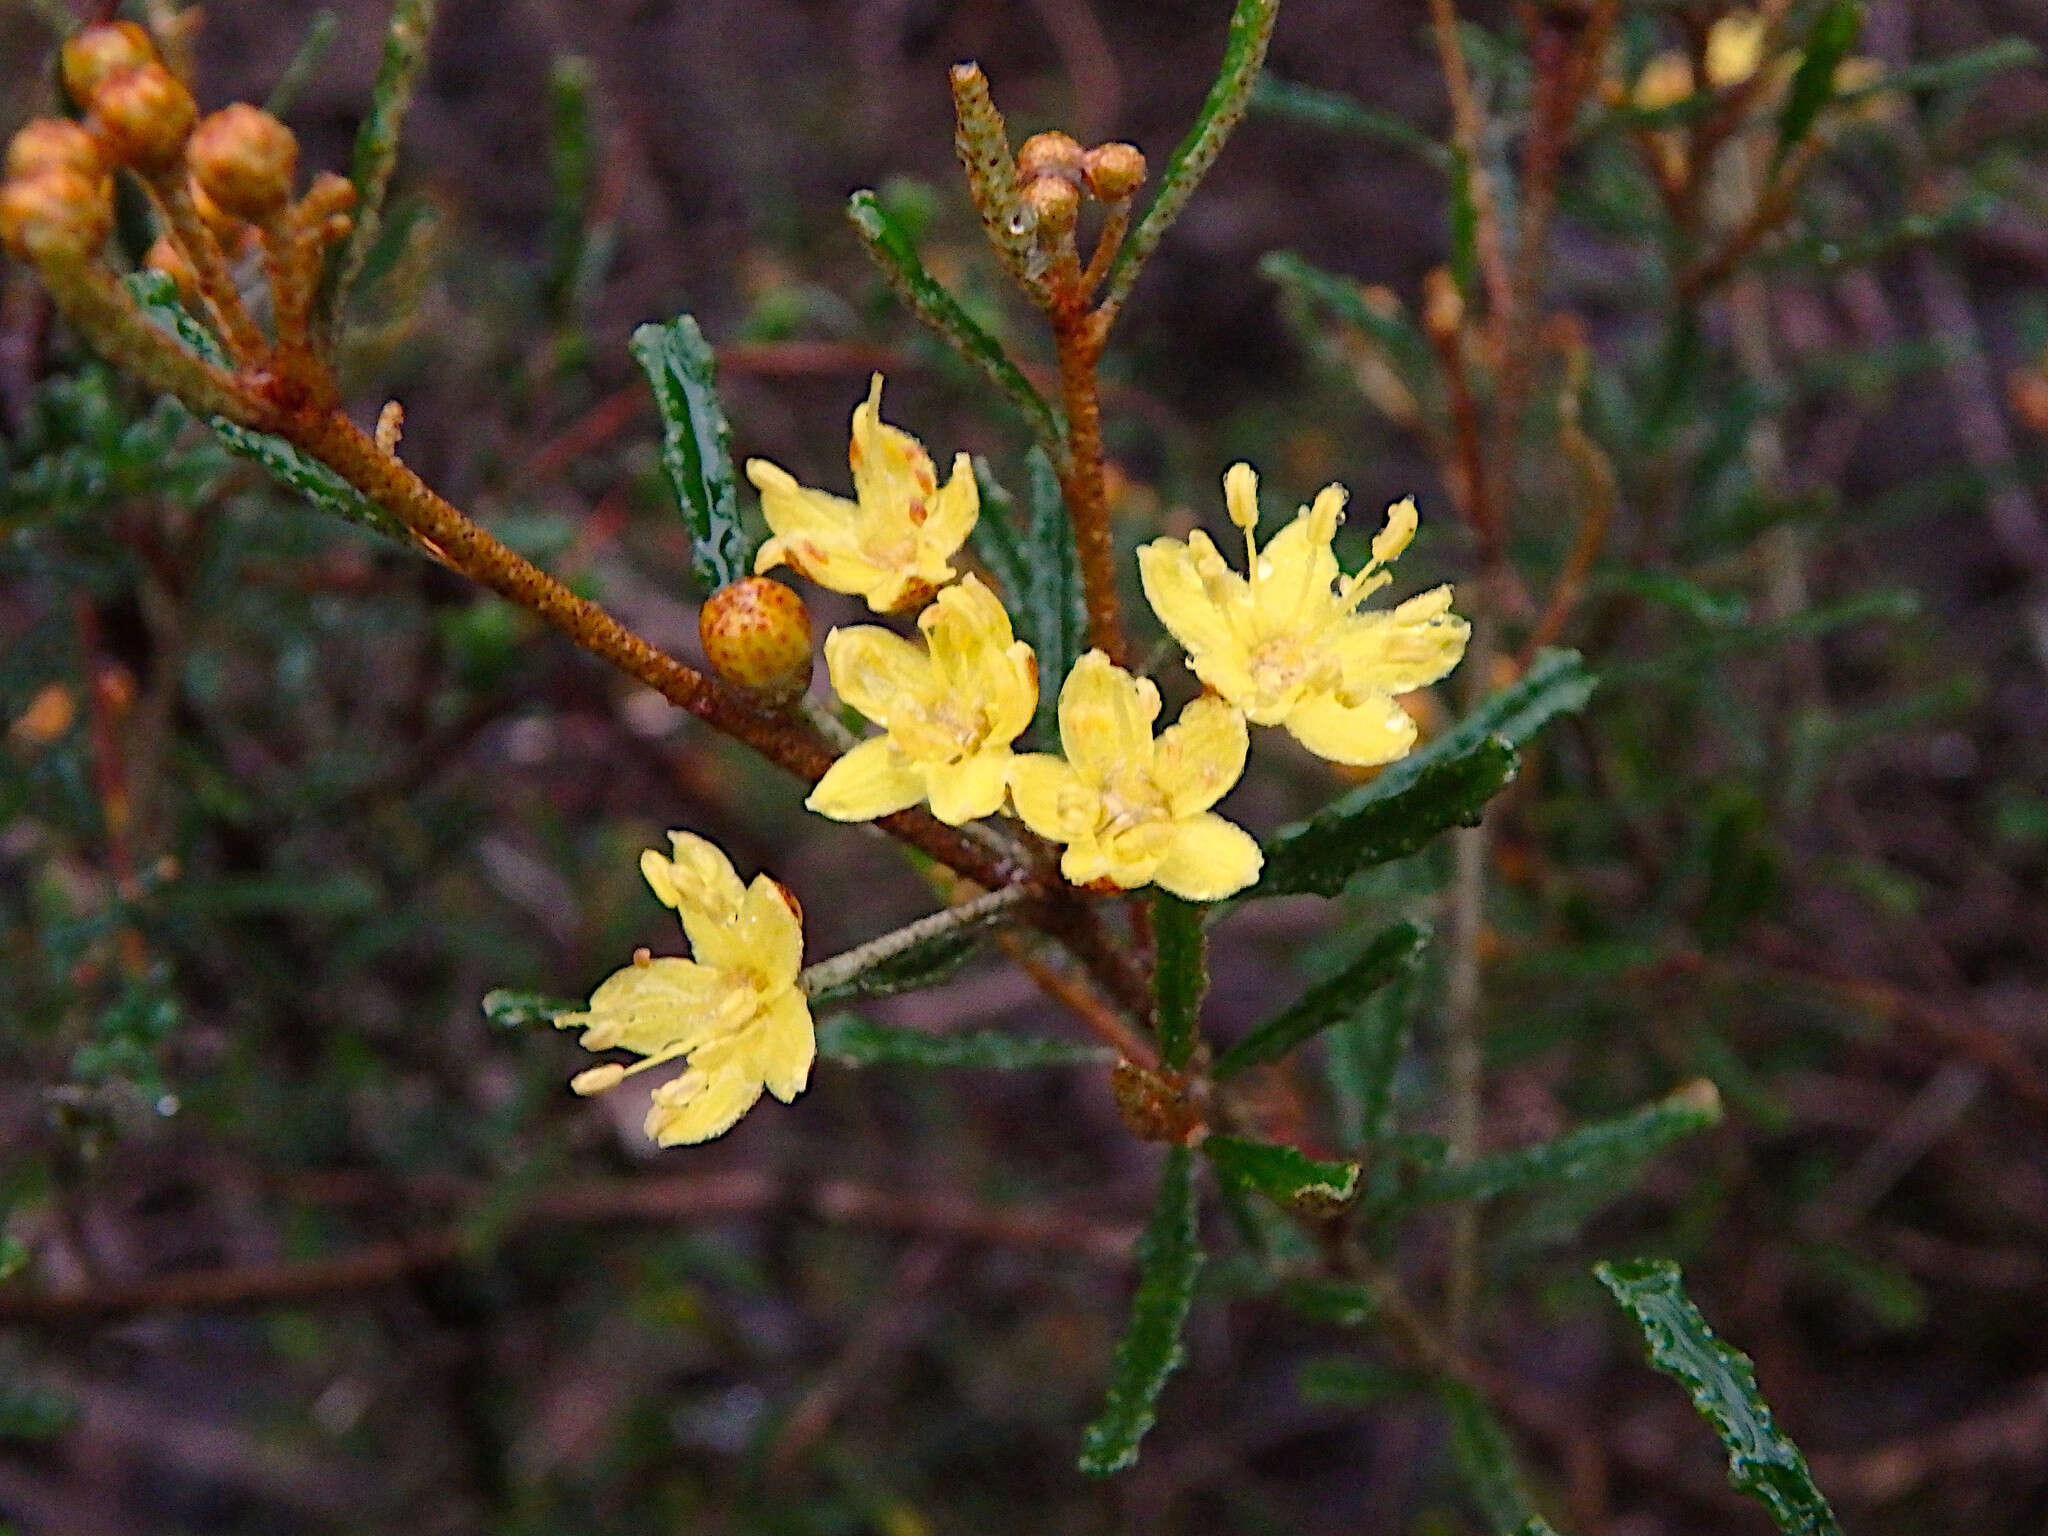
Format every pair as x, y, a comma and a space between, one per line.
1079, 336
842, 968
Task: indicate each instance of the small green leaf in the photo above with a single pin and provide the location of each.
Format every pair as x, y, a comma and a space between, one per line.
925, 964
14, 1256
1040, 572
1485, 1459
1464, 216
305, 63
1609, 1152
854, 1042
1343, 1382
1341, 1303
1762, 1462
1284, 1174
1298, 103
1169, 1261
696, 448
1366, 828
1390, 954
510, 1009
1361, 1062
1180, 975
157, 294
891, 250
1535, 1525
1833, 34
1244, 53
1344, 301
376, 147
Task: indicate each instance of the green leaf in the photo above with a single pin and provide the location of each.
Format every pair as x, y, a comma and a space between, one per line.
1485, 1459
157, 295
1040, 572
1446, 783
1284, 1174
1344, 301
924, 964
14, 1256
30, 1412
1334, 109
696, 448
1464, 216
510, 1009
1341, 1303
1169, 1261
305, 63
1375, 824
1244, 52
572, 182
1390, 954
1363, 1056
855, 1042
376, 147
1959, 69
1762, 1462
1180, 975
1343, 1382
1833, 34
891, 250
1609, 1152
1535, 1525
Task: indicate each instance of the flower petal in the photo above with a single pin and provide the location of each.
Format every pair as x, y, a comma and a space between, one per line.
879, 673
695, 876
955, 510
969, 789
1210, 859
1299, 568
1399, 651
892, 474
1191, 612
874, 779
1376, 730
1106, 716
1052, 799
787, 1045
1201, 756
965, 628
698, 1105
666, 1006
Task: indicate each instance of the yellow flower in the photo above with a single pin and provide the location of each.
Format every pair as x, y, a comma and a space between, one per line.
735, 1010
949, 711
1132, 810
1735, 48
1287, 646
890, 545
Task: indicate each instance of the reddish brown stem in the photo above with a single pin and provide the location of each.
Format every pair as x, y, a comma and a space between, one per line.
1079, 335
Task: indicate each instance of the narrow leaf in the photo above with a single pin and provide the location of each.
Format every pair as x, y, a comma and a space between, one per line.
891, 250
1344, 301
1244, 52
1342, 1303
1390, 954
1833, 34
1284, 1174
157, 295
376, 147
1364, 829
696, 448
1362, 1060
1180, 976
1034, 561
1298, 103
1169, 1260
305, 63
1464, 217
1343, 1382
510, 1009
925, 964
1485, 1459
1610, 1151
855, 1042
1762, 1462
919, 954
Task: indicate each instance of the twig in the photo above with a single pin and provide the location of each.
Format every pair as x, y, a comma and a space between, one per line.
1101, 1018
1079, 337
1468, 132
840, 969
1597, 492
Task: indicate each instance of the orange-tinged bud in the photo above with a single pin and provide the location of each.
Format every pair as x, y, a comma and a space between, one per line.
1113, 171
92, 55
757, 636
1055, 204
1049, 154
1443, 307
245, 160
53, 144
165, 257
58, 218
227, 229
144, 116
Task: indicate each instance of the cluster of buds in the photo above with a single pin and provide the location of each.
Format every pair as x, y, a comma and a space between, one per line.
220, 185
1054, 173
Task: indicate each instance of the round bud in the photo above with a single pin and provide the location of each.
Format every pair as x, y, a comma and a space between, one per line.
1054, 203
53, 144
245, 160
93, 54
58, 218
1049, 154
757, 636
144, 116
1113, 171
166, 258
1443, 307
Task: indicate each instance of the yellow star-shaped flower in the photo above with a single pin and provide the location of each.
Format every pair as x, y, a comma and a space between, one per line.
949, 711
735, 1010
892, 543
1287, 644
1131, 810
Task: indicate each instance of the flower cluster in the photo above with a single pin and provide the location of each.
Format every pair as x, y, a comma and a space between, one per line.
1286, 643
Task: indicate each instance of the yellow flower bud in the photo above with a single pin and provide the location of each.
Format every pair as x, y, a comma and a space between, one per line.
1055, 204
96, 53
245, 160
1443, 307
1049, 154
757, 636
144, 116
53, 144
1113, 172
57, 218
